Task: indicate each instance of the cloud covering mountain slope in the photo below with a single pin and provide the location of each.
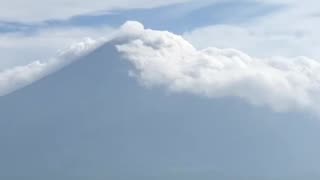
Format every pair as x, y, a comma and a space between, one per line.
167, 60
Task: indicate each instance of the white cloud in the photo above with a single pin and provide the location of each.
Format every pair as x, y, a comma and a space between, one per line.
38, 10
20, 76
19, 48
43, 53
167, 60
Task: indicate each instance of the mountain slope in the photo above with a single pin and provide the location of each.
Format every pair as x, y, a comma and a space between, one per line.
90, 120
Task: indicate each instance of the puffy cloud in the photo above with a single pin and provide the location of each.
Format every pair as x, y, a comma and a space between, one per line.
167, 60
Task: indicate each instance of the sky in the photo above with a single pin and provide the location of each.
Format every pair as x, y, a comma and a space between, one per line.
259, 28
201, 54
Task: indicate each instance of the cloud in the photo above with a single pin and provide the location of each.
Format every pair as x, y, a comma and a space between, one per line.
163, 59
23, 48
18, 77
167, 60
39, 10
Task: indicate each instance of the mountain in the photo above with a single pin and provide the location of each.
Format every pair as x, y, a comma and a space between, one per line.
91, 120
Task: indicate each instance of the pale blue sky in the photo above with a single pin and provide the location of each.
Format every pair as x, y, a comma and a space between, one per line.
177, 18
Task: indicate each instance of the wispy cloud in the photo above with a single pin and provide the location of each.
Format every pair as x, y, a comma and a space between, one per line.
20, 48
291, 31
20, 76
39, 10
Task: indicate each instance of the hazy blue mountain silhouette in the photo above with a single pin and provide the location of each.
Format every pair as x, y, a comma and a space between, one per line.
90, 120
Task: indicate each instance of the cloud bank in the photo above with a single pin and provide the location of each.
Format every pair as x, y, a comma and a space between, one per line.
167, 60
163, 59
